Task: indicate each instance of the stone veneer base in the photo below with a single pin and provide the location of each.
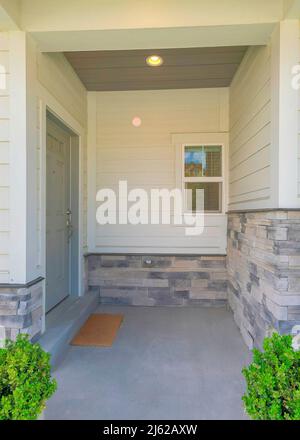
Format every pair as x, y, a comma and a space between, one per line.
263, 263
156, 280
21, 310
261, 282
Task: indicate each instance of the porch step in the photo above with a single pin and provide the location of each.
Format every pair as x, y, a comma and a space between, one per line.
63, 322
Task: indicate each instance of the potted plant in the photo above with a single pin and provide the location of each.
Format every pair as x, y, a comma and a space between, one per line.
25, 380
273, 381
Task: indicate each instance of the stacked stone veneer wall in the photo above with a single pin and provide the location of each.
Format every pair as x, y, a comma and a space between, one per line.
21, 311
263, 262
159, 280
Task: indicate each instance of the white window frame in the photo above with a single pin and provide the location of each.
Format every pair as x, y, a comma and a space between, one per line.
180, 141
205, 179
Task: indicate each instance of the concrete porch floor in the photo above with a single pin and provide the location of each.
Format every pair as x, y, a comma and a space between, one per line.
166, 363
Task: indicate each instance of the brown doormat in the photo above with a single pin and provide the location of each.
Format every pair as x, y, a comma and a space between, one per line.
100, 330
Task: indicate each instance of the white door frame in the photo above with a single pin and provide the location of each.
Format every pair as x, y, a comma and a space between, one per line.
48, 103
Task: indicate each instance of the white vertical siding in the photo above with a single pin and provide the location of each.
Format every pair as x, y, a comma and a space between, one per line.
145, 157
4, 158
250, 132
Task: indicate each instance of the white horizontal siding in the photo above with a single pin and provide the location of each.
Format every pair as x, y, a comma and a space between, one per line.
4, 152
4, 107
4, 157
4, 175
4, 220
4, 243
4, 276
4, 263
4, 64
57, 76
4, 130
250, 132
298, 157
4, 198
4, 58
145, 158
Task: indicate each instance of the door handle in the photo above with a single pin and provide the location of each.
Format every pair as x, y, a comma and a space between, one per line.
69, 223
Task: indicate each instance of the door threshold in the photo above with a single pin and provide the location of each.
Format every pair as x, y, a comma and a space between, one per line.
57, 305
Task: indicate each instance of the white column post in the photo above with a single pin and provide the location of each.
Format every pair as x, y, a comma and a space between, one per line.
18, 158
92, 189
23, 143
285, 55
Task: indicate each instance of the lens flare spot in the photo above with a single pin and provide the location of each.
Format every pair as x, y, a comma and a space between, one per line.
136, 121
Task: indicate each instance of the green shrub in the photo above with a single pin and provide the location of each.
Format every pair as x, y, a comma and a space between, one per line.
25, 380
273, 381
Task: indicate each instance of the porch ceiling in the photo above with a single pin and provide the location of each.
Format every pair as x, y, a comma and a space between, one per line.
182, 68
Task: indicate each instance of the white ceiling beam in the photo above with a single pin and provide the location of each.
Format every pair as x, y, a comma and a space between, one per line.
57, 15
160, 38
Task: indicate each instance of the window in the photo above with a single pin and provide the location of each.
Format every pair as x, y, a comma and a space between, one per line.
202, 170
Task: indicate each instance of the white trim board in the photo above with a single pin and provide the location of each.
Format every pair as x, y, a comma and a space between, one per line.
50, 103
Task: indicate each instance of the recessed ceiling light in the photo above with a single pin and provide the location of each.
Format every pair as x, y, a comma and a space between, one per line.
154, 60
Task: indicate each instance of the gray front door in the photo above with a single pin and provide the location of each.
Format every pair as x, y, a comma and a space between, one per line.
57, 208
